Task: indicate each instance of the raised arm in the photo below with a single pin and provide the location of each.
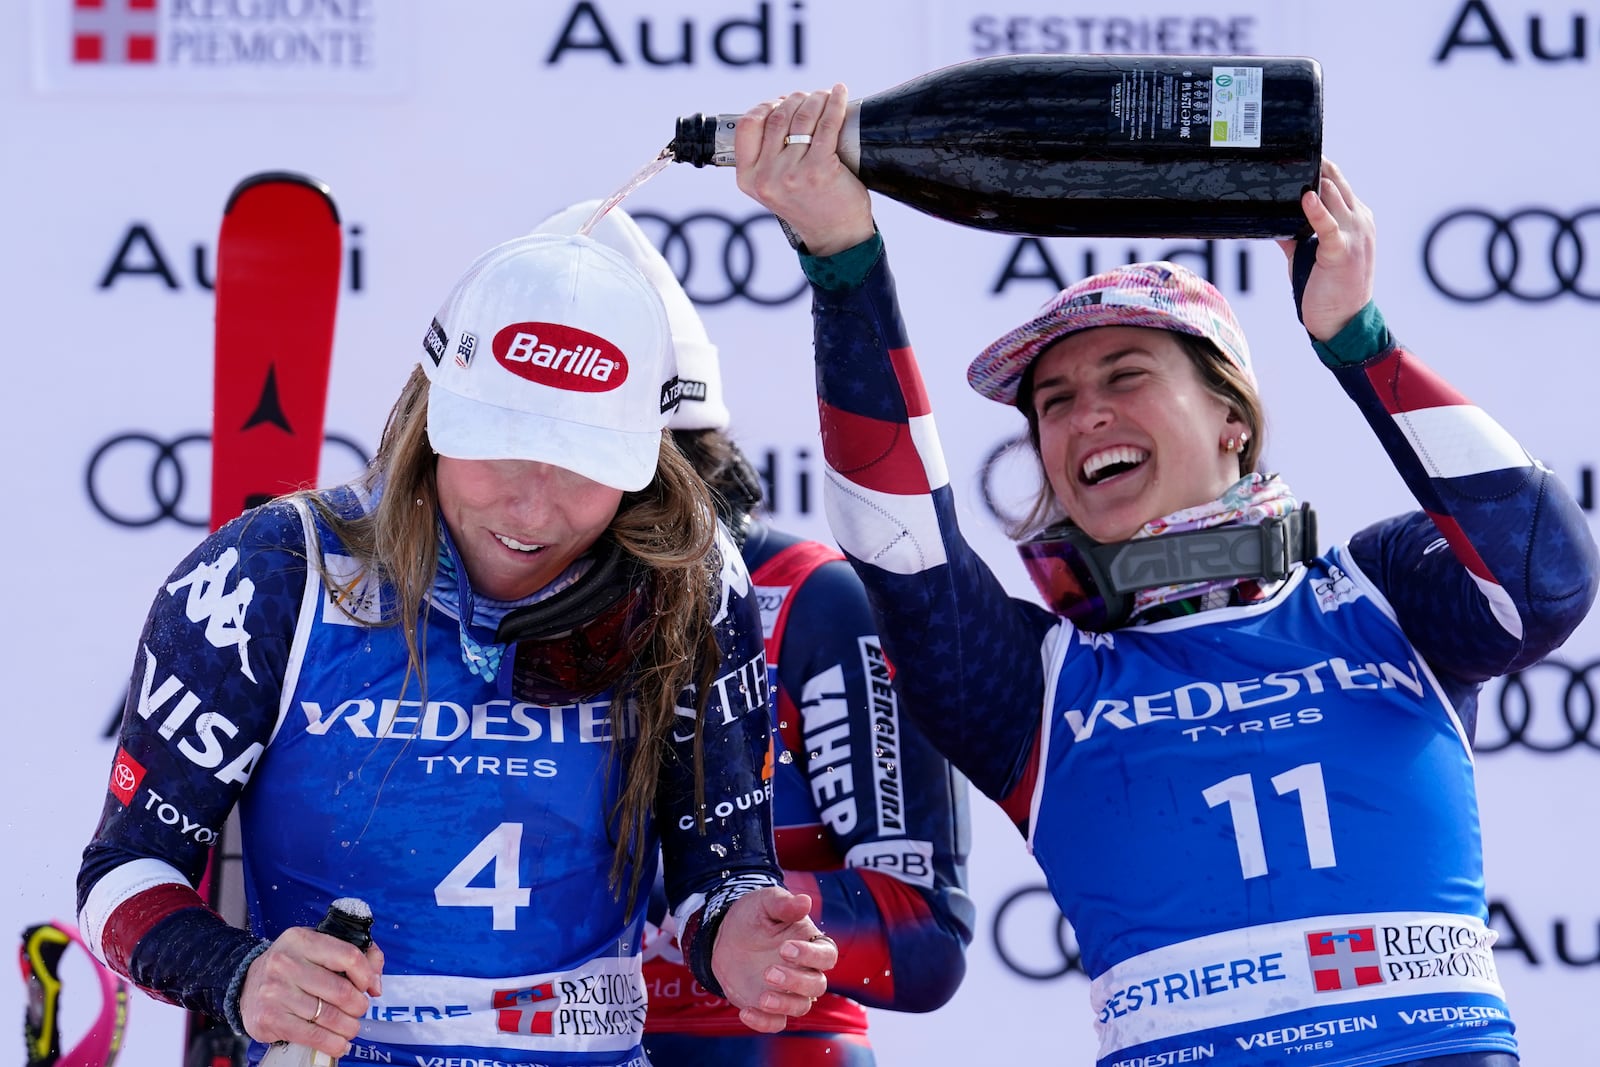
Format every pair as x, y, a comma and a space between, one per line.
1521, 571
967, 656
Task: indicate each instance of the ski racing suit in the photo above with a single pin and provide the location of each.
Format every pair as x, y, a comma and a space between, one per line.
1260, 819
478, 827
861, 799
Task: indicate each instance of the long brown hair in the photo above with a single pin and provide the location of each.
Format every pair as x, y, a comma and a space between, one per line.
1219, 376
669, 525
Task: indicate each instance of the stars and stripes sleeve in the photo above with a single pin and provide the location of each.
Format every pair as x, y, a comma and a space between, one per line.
1520, 573
202, 701
967, 655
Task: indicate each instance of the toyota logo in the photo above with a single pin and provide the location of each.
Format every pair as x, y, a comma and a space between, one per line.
1533, 255
1032, 938
137, 479
718, 259
1548, 707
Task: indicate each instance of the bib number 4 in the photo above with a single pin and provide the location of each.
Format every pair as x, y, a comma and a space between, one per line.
501, 851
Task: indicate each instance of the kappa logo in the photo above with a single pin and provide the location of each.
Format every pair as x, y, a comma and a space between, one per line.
563, 357
221, 611
126, 774
1344, 959
115, 31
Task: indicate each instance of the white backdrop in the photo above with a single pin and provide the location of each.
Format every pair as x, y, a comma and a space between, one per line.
444, 128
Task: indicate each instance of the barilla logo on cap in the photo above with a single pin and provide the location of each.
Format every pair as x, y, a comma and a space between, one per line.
562, 357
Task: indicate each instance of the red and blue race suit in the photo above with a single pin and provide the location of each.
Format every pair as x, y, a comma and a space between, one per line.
862, 800
478, 827
1261, 818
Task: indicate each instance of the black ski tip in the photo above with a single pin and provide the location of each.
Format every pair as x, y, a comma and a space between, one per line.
283, 177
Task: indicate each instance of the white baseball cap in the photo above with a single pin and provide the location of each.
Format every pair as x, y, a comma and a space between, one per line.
700, 399
553, 349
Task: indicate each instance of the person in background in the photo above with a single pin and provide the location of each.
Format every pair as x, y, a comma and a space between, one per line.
1242, 760
482, 688
871, 821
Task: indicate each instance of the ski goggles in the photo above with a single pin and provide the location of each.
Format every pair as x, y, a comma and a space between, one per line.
1092, 584
582, 641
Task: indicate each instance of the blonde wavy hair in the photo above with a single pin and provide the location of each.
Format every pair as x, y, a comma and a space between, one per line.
669, 525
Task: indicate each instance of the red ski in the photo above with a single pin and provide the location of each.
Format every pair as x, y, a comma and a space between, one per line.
277, 288
277, 291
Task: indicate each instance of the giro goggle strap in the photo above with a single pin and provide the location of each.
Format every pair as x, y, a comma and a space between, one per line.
1092, 584
40, 958
580, 642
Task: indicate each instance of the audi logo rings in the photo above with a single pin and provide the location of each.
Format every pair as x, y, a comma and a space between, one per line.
1009, 480
1533, 254
1032, 938
136, 479
718, 259
1548, 707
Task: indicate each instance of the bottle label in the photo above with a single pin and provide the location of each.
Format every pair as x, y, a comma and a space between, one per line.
1236, 107
1189, 104
1170, 106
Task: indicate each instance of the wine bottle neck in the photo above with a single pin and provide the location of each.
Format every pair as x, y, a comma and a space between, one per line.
707, 140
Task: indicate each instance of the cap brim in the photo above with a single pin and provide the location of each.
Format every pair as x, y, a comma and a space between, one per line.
998, 370
462, 428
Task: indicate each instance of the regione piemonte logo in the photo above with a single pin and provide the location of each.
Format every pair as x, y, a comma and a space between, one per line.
115, 31
1344, 959
256, 47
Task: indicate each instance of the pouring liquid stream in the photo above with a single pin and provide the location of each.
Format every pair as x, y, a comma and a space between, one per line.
640, 176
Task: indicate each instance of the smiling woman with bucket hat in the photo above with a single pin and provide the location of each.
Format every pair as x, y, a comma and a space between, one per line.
1242, 760
476, 688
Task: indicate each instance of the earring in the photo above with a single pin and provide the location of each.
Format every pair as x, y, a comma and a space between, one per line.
1231, 446
1244, 435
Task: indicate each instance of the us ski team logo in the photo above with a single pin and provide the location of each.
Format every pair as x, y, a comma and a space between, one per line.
1344, 959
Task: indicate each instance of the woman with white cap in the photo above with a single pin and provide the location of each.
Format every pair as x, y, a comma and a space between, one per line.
1242, 761
871, 822
476, 689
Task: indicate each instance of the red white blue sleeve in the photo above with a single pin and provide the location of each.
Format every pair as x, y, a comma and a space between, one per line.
202, 704
969, 658
1521, 569
893, 884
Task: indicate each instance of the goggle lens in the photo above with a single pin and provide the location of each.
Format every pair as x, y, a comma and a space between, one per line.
1065, 579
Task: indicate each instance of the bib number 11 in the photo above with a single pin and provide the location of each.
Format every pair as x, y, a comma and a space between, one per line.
1239, 794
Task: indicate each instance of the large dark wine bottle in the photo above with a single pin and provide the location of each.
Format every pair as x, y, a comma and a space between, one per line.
1084, 146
